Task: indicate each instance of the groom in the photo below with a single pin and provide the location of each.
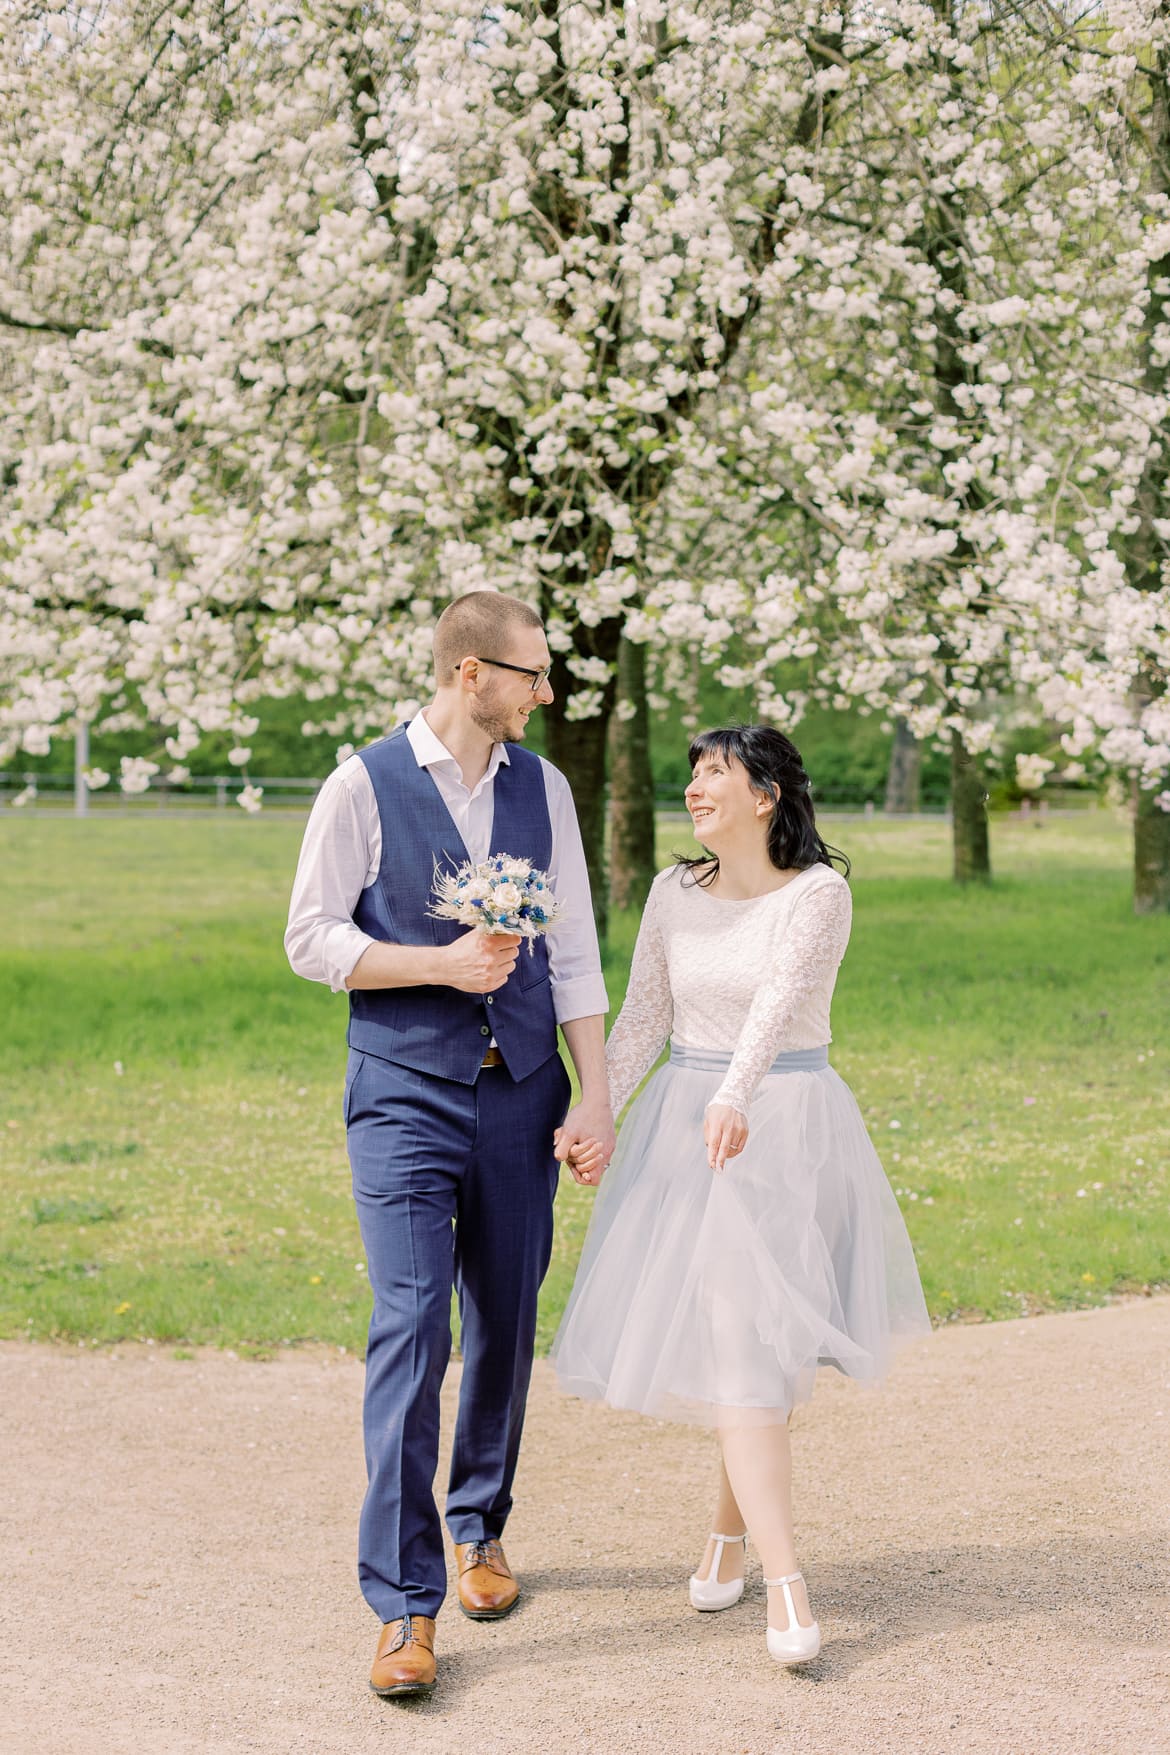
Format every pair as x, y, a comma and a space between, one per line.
454, 1091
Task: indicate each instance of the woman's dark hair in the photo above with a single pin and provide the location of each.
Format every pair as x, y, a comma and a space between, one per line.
773, 763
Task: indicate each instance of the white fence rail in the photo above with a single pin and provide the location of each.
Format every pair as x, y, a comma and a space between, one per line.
59, 792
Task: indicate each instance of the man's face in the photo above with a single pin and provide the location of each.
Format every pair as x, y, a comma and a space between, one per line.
503, 699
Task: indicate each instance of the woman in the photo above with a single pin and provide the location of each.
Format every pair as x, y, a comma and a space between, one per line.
746, 1233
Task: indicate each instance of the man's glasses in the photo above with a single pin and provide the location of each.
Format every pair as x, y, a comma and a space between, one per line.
539, 677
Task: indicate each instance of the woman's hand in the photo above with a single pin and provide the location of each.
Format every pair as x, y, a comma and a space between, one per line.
585, 1140
726, 1134
586, 1160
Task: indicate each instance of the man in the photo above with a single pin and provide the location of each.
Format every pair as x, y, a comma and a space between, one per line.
453, 1095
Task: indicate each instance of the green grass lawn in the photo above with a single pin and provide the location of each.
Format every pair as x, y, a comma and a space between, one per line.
173, 1164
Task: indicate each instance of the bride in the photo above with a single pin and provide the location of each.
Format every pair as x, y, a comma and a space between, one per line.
746, 1233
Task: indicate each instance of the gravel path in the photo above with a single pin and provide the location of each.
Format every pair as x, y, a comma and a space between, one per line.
986, 1544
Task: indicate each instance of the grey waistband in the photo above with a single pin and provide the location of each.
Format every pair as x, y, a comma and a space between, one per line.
715, 1060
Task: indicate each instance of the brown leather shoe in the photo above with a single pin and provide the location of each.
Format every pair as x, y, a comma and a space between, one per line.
487, 1589
405, 1659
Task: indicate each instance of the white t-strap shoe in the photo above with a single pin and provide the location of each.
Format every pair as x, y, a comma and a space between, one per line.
797, 1644
708, 1593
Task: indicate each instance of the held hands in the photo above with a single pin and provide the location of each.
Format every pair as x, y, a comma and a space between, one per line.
480, 962
725, 1132
585, 1142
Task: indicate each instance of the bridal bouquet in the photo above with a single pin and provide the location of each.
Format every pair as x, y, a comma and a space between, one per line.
500, 894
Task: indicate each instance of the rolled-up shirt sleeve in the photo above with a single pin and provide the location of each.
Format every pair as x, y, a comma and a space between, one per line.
574, 957
321, 941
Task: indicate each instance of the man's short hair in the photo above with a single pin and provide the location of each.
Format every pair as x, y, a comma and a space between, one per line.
478, 626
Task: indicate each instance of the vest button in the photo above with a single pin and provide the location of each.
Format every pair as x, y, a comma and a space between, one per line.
484, 1031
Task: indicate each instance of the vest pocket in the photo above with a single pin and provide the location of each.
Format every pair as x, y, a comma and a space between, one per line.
533, 969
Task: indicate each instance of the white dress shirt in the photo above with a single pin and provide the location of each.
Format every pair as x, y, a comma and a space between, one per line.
342, 852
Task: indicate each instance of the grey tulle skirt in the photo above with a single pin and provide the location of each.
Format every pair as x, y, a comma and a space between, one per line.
716, 1297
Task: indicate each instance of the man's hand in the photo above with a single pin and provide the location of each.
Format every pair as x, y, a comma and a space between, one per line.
479, 962
725, 1132
586, 1140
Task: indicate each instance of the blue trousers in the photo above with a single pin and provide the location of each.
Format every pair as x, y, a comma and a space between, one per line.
454, 1186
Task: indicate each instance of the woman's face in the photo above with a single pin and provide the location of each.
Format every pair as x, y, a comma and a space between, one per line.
721, 801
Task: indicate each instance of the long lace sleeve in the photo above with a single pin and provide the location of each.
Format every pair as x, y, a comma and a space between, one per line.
644, 1022
811, 947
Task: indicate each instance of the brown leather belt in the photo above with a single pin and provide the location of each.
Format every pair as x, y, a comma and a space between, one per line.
493, 1057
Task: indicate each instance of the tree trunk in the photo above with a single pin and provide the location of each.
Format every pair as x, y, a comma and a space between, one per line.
80, 764
903, 782
1151, 856
631, 785
1145, 551
578, 748
972, 853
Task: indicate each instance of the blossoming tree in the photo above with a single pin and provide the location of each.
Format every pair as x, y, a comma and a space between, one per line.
1118, 700
746, 332
973, 446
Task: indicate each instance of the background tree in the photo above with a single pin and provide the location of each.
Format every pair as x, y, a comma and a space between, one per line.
903, 781
633, 860
1146, 544
972, 453
769, 339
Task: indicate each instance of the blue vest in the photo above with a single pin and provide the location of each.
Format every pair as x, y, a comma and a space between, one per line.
438, 1030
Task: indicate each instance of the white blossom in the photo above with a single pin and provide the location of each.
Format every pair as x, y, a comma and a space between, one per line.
1031, 771
137, 773
784, 351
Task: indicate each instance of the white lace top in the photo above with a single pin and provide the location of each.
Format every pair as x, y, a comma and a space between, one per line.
753, 978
